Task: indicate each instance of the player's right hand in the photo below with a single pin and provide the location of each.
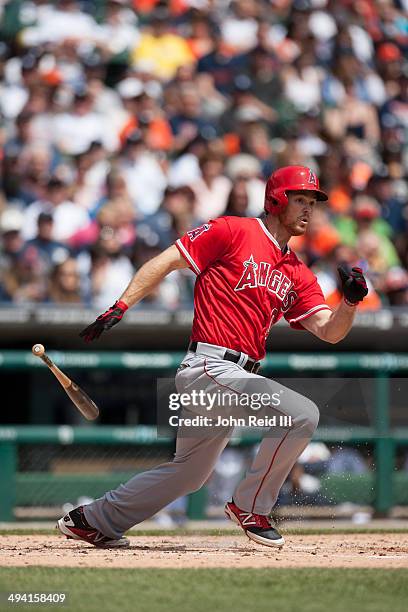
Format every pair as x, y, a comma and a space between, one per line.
105, 321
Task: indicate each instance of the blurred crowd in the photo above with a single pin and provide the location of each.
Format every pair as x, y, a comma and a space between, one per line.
125, 123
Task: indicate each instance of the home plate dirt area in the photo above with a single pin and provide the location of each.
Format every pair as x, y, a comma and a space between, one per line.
376, 550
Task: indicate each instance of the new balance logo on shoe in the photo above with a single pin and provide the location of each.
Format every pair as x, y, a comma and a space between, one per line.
247, 518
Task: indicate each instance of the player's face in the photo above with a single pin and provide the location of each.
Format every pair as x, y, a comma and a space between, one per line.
296, 216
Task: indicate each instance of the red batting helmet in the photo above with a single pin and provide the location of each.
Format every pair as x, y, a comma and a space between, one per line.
290, 178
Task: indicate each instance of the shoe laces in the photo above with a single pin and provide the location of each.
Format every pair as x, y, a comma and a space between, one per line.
84, 523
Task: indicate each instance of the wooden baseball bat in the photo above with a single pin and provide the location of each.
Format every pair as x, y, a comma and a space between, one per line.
82, 401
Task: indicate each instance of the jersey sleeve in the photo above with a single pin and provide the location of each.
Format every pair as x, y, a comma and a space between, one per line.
203, 245
310, 299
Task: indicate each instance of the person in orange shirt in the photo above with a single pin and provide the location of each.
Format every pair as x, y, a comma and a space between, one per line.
201, 40
143, 112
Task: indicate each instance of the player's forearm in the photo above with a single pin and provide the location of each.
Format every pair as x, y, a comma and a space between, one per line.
339, 324
151, 274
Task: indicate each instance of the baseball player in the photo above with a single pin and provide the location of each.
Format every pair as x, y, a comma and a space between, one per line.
247, 279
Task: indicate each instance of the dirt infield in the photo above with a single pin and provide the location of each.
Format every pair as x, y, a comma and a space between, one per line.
385, 550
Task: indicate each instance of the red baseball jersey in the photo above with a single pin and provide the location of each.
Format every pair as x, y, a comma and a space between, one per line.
245, 284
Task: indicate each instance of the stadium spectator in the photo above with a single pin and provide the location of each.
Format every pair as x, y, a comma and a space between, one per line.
247, 168
222, 64
200, 37
160, 51
25, 281
143, 174
110, 268
188, 121
174, 218
11, 223
238, 200
76, 129
50, 251
65, 285
90, 173
119, 33
367, 218
68, 217
12, 244
212, 189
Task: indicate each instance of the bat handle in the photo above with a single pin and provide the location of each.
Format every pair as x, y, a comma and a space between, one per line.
63, 378
39, 351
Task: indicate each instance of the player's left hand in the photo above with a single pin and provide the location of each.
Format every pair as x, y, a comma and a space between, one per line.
104, 322
353, 284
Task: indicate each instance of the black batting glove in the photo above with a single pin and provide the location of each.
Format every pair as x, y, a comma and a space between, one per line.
353, 284
105, 321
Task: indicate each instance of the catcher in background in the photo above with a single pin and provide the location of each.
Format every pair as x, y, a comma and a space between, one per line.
247, 279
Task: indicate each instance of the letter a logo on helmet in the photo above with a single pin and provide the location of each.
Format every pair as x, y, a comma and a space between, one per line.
312, 178
290, 178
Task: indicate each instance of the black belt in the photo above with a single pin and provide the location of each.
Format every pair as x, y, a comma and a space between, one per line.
250, 366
